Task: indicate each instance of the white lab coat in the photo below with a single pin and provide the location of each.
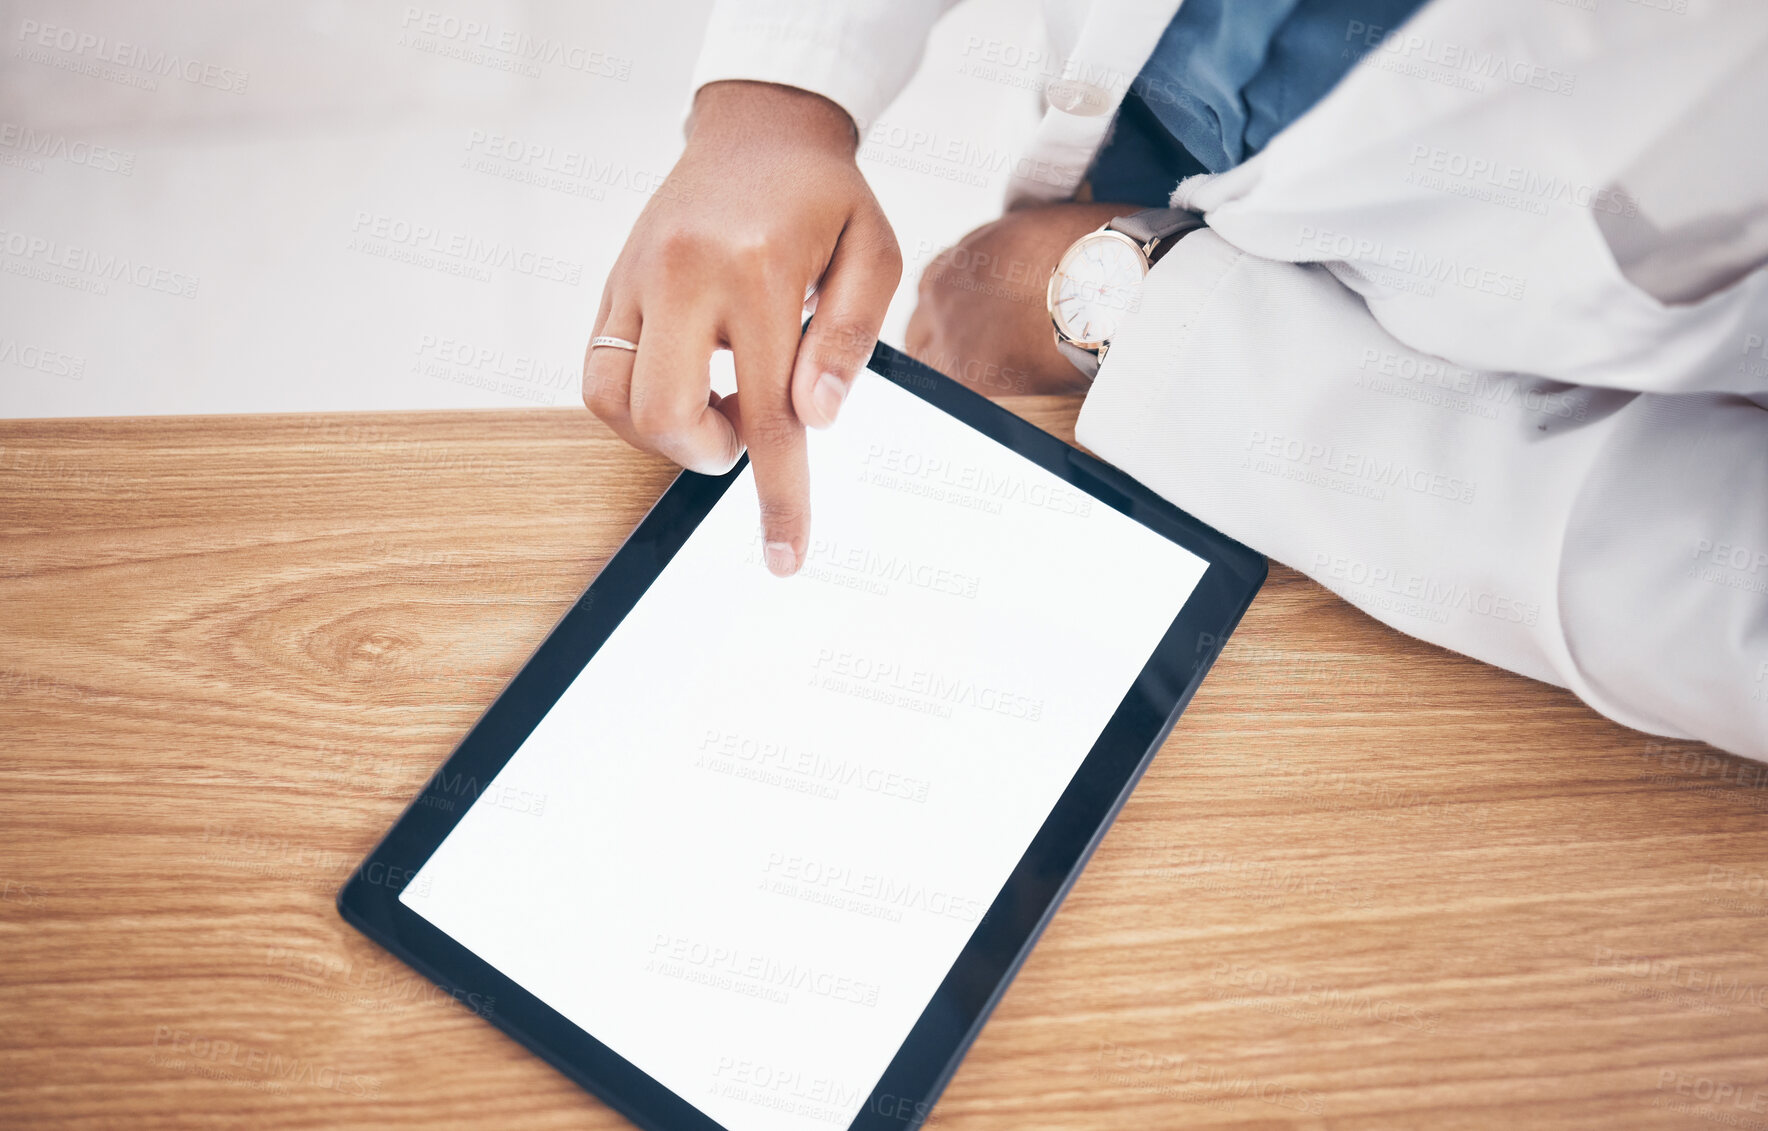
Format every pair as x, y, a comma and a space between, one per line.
1480, 342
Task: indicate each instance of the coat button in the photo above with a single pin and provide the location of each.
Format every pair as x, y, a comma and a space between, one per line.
1082, 99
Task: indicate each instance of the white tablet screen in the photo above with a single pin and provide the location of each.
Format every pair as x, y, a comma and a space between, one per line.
749, 841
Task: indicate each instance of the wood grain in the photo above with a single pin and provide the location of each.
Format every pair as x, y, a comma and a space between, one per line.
1367, 884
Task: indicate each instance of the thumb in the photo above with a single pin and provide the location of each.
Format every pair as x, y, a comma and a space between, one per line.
850, 305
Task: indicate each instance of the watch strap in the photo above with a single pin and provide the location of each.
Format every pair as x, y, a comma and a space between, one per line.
1084, 360
1152, 224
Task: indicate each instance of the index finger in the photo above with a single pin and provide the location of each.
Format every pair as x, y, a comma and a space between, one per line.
764, 347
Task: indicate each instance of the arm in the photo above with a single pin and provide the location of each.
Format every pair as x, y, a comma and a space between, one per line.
1612, 542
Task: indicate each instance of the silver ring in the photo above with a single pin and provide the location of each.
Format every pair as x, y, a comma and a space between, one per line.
613, 343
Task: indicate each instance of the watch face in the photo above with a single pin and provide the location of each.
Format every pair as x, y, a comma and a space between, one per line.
1097, 282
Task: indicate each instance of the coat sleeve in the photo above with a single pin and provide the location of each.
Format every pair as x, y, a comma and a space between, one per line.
1508, 185
1607, 540
859, 54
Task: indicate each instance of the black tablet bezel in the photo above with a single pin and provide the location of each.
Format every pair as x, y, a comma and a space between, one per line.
911, 1084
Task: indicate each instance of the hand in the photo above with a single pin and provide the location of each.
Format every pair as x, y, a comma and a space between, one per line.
982, 317
766, 201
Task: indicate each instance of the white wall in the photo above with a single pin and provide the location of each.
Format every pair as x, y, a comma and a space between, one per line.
204, 204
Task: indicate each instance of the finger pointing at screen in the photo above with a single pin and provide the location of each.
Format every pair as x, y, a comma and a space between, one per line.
766, 201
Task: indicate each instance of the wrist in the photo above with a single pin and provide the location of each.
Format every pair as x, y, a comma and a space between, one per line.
749, 111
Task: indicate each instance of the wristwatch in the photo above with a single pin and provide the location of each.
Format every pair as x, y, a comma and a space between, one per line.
1099, 278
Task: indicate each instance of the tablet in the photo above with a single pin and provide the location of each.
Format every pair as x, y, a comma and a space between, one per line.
743, 853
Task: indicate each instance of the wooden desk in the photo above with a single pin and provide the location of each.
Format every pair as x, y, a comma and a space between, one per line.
1368, 883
